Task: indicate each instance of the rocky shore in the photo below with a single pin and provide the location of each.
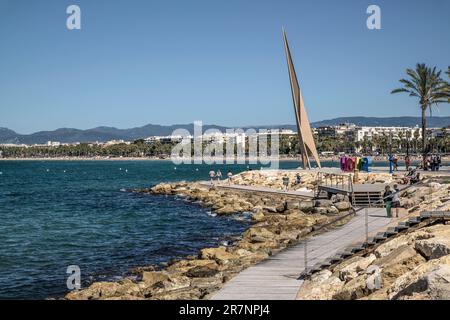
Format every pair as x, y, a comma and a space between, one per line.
415, 266
278, 222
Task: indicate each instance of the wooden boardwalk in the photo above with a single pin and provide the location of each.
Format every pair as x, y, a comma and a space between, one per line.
276, 277
293, 193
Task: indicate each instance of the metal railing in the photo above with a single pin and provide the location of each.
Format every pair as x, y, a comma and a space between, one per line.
354, 211
334, 180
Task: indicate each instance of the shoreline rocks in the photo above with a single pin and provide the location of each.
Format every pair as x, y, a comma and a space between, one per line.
278, 222
415, 265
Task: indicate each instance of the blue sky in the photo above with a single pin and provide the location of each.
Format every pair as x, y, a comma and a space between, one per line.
166, 62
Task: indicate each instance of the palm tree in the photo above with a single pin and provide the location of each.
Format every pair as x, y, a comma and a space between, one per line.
426, 84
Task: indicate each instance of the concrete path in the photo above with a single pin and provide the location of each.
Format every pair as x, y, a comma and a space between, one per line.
276, 277
304, 194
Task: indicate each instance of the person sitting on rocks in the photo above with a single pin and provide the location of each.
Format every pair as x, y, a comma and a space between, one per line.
415, 178
408, 176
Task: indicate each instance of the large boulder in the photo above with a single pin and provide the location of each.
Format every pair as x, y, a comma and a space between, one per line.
220, 255
257, 234
258, 216
356, 267
354, 289
398, 262
227, 209
174, 282
306, 205
374, 280
323, 203
438, 282
433, 248
399, 255
320, 210
106, 290
292, 205
152, 277
201, 272
342, 205
387, 247
322, 286
332, 210
207, 282
414, 281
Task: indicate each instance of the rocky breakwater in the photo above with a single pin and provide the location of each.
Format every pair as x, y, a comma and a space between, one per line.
415, 265
274, 178
279, 221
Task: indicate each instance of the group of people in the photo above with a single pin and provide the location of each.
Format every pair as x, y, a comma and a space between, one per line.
393, 160
217, 176
432, 162
298, 180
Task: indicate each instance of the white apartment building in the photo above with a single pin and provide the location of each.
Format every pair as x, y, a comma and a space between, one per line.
53, 143
166, 139
362, 133
113, 142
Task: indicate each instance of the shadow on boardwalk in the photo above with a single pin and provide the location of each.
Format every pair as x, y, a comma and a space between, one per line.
276, 278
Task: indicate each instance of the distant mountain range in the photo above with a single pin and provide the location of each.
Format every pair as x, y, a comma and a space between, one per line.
433, 122
102, 134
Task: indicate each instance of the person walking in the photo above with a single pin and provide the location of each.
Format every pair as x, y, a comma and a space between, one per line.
230, 177
395, 161
433, 162
387, 197
391, 163
396, 200
286, 182
212, 174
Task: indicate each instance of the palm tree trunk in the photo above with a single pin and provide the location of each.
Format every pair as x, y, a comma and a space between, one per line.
424, 134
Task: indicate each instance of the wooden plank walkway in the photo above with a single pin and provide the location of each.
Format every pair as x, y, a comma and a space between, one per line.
276, 277
295, 193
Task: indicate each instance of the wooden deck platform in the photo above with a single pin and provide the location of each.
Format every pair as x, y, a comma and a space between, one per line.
363, 195
276, 278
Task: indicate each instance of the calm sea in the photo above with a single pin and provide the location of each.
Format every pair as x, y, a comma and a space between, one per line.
60, 213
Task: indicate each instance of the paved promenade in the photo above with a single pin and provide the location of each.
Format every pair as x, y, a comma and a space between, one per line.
276, 277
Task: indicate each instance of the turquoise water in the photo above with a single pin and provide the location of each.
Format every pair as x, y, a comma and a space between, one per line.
60, 213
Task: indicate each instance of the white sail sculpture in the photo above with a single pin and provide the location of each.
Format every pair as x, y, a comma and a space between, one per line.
305, 136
